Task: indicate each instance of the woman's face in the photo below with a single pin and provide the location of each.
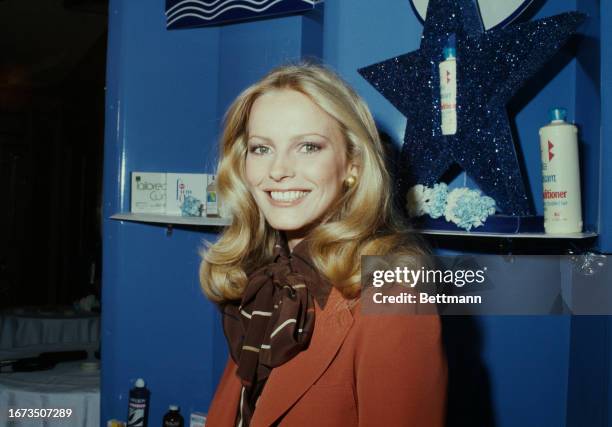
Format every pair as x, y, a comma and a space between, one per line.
296, 161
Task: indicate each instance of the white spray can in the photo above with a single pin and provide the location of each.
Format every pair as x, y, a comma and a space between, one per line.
448, 91
560, 175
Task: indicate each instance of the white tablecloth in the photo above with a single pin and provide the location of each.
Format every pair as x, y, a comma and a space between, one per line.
65, 386
31, 331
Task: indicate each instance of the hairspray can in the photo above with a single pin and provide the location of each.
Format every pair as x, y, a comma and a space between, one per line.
560, 175
448, 88
138, 406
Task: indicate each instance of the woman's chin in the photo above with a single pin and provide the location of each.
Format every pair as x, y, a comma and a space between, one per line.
287, 226
291, 227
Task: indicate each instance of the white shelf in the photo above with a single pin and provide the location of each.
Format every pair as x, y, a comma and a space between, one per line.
585, 235
222, 222
172, 219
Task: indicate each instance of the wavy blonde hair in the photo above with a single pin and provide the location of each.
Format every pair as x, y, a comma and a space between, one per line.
362, 221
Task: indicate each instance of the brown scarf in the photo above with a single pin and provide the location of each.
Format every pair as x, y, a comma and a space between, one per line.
274, 321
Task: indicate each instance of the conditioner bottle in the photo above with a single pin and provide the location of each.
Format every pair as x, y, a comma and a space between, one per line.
560, 175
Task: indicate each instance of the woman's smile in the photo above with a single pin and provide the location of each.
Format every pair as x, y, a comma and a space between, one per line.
287, 198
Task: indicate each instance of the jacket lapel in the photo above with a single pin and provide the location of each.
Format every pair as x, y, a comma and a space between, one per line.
288, 382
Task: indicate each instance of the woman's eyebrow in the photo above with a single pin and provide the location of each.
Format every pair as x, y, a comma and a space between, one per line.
259, 137
294, 138
310, 134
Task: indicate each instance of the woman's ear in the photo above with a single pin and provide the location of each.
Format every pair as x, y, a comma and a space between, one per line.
353, 170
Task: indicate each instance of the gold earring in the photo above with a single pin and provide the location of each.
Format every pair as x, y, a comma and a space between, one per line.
350, 181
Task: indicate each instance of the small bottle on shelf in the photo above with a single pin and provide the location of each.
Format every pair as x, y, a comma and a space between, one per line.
212, 201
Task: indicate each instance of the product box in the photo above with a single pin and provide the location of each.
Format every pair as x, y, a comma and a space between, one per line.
197, 419
186, 194
148, 192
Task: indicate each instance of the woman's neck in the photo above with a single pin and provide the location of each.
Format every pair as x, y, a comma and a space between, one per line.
293, 238
292, 242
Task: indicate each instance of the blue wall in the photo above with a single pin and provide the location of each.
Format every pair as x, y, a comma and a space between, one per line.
605, 203
158, 118
166, 94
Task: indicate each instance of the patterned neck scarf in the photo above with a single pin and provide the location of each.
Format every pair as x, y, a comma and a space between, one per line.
274, 321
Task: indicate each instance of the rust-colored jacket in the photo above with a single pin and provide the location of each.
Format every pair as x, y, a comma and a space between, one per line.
359, 370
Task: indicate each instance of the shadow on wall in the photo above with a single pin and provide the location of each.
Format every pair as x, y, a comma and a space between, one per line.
469, 391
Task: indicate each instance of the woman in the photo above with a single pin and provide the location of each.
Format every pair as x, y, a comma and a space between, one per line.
302, 170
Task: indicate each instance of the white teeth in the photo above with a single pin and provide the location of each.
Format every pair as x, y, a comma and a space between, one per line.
287, 196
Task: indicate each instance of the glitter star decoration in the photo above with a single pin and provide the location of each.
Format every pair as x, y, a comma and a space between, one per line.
491, 66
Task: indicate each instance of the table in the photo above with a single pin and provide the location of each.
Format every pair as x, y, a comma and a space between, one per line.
65, 386
30, 331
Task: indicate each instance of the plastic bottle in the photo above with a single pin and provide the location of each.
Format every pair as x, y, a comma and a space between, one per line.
138, 405
448, 89
560, 175
173, 418
212, 201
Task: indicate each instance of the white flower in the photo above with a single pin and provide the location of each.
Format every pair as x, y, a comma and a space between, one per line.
467, 208
462, 206
436, 202
416, 200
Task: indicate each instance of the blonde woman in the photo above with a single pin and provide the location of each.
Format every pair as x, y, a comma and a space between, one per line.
302, 170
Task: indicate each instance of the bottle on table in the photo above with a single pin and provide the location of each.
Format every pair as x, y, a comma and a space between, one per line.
138, 406
173, 418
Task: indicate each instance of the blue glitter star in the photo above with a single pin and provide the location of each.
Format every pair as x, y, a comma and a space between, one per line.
491, 66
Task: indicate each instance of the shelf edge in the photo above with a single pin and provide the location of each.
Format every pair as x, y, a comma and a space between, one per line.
170, 219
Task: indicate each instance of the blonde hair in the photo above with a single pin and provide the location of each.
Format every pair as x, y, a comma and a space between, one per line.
362, 221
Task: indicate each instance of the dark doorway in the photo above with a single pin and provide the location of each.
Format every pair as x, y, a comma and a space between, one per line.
52, 77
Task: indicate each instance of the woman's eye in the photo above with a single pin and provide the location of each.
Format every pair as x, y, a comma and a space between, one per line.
310, 147
259, 149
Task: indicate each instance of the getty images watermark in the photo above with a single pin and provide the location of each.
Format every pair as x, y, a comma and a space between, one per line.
488, 284
411, 277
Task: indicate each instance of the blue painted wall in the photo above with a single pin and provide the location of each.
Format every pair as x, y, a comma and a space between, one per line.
160, 116
605, 201
166, 94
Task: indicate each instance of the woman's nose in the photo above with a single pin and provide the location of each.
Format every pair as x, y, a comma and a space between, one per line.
281, 167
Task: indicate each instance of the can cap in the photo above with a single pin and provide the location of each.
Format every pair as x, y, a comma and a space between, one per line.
139, 383
449, 53
557, 114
